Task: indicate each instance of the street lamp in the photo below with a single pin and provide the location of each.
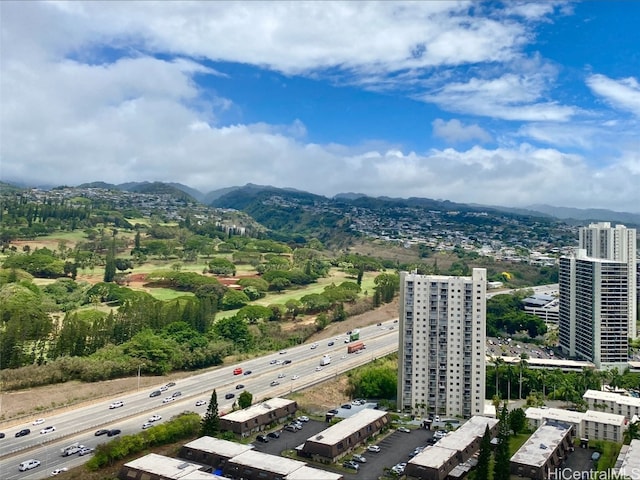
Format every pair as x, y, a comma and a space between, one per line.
139, 367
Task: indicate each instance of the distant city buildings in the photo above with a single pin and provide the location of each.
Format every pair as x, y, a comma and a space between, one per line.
597, 287
441, 352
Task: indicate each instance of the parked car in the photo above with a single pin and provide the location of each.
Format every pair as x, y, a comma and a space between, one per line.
23, 432
439, 434
113, 432
351, 464
303, 418
38, 421
373, 448
290, 428
155, 393
117, 404
333, 411
199, 403
262, 438
239, 386
229, 396
359, 458
275, 434
346, 405
48, 429
404, 430
102, 431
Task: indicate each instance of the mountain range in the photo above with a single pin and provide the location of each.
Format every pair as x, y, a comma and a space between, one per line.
239, 197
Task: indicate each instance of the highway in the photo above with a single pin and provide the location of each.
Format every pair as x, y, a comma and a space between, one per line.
79, 425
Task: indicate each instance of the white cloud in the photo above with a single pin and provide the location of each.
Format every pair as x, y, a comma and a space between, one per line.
623, 94
454, 131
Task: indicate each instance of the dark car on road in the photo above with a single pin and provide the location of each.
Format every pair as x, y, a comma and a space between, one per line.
346, 405
176, 394
275, 434
239, 386
247, 372
113, 432
155, 393
23, 432
229, 396
1, 434
262, 438
102, 431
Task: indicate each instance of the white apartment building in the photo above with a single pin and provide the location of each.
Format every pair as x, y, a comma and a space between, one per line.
601, 240
594, 321
441, 351
592, 424
628, 407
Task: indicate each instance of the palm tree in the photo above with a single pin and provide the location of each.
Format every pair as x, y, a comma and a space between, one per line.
522, 364
497, 362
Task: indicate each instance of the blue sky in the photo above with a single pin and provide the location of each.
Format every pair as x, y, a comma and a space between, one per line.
513, 103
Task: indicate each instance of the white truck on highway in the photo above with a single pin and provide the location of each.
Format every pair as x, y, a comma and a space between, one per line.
325, 360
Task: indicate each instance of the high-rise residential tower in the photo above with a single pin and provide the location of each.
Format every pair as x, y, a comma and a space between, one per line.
597, 290
441, 352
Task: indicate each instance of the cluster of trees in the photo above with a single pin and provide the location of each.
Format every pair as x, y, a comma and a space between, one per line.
505, 315
183, 426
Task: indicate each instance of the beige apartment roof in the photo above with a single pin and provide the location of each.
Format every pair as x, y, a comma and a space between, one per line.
434, 456
270, 463
604, 417
166, 467
310, 473
258, 409
220, 447
544, 441
554, 414
346, 427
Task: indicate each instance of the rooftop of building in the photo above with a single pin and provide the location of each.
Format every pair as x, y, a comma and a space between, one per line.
631, 461
611, 397
554, 414
166, 467
467, 433
310, 473
604, 417
346, 427
270, 463
434, 456
258, 409
541, 444
224, 448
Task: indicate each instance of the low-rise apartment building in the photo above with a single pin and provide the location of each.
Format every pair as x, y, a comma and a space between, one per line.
612, 403
592, 424
257, 417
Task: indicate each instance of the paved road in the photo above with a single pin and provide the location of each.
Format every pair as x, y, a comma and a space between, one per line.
79, 425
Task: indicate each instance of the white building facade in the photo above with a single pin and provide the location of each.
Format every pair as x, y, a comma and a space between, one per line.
441, 351
598, 297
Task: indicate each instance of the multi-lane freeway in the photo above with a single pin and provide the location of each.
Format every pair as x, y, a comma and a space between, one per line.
80, 424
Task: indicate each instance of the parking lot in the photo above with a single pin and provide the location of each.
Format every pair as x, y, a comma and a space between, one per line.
395, 447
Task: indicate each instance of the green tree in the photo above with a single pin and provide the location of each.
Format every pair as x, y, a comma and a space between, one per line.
245, 399
110, 265
502, 455
210, 425
482, 469
517, 420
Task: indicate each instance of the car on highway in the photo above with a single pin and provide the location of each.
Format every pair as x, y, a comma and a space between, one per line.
247, 372
237, 371
286, 362
295, 377
283, 352
168, 399
199, 403
146, 425
239, 386
28, 465
373, 449
117, 404
155, 393
102, 431
275, 383
38, 421
318, 368
229, 396
176, 394
154, 418
281, 375
2, 435
85, 451
164, 388
314, 346
404, 430
48, 429
330, 344
346, 405
58, 471
171, 384
113, 432
23, 432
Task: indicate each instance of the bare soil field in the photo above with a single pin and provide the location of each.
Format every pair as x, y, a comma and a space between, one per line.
20, 406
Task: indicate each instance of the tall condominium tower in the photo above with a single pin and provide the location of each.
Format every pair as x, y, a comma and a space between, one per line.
618, 243
598, 301
441, 352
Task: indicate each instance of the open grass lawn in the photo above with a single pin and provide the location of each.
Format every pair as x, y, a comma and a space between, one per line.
168, 293
517, 441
